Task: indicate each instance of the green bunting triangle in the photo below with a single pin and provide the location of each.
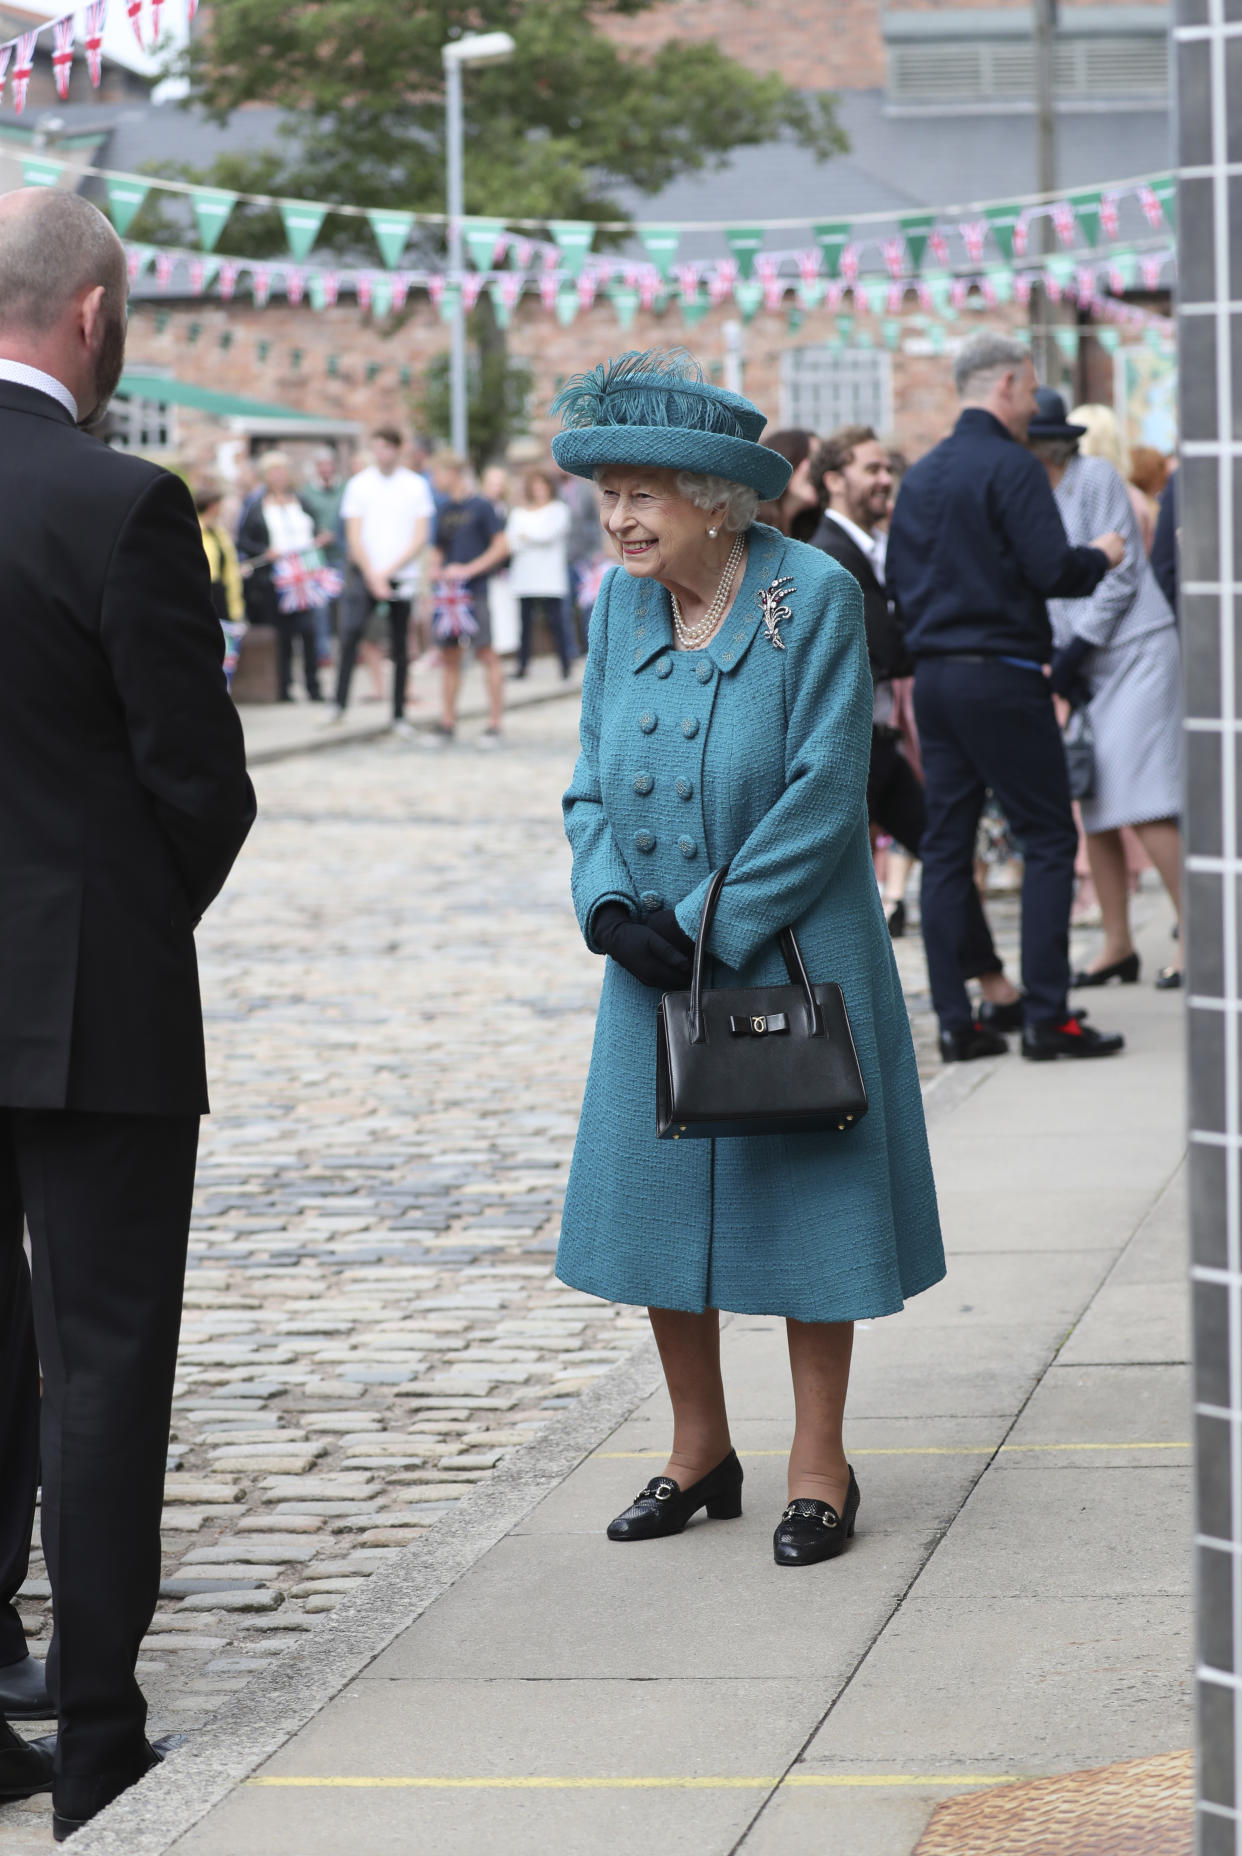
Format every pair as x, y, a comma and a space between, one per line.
124, 199
1060, 268
500, 309
1109, 339
212, 206
1125, 263
845, 328
302, 220
481, 236
381, 296
692, 312
567, 305
940, 289
811, 292
1067, 341
660, 244
1165, 190
890, 328
449, 302
316, 295
916, 229
874, 295
1003, 221
1002, 284
573, 240
745, 242
832, 236
748, 294
36, 172
937, 336
1087, 212
625, 301
392, 231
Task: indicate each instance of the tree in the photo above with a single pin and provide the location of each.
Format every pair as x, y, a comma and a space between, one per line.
552, 133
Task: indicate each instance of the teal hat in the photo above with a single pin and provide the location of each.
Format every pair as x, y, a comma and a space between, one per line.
656, 409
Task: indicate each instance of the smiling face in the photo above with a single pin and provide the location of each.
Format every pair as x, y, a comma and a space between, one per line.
657, 534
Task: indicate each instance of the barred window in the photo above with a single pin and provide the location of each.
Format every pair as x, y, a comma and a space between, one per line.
823, 388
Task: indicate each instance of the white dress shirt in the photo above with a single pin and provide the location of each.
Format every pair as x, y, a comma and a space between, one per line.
23, 376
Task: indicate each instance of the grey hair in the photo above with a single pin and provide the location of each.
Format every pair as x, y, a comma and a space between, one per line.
53, 246
1054, 451
986, 353
740, 502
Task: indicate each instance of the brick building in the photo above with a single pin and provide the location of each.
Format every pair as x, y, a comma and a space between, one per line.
937, 101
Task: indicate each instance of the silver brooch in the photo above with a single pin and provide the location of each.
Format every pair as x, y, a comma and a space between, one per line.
771, 604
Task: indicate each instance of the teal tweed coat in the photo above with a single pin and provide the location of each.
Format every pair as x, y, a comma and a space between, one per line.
746, 754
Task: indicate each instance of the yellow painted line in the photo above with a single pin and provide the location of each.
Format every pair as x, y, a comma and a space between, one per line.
838, 1780
659, 1456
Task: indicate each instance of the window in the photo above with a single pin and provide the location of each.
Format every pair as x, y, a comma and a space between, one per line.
822, 388
986, 54
141, 424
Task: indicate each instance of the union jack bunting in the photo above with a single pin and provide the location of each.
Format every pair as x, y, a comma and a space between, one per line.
452, 612
895, 256
303, 583
96, 17
23, 66
851, 263
1065, 222
164, 261
295, 283
6, 52
471, 286
1153, 212
1110, 216
364, 288
974, 232
62, 53
228, 277
939, 245
400, 289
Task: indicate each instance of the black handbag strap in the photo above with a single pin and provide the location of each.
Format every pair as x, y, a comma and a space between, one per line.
792, 953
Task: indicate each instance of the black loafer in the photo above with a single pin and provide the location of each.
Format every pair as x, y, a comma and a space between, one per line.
1169, 979
1042, 1043
1007, 1017
25, 1765
64, 1826
664, 1508
966, 1042
810, 1531
23, 1692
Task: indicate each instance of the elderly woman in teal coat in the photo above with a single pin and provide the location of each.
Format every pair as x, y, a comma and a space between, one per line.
714, 734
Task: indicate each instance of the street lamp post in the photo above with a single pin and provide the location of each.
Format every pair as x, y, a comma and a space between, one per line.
473, 48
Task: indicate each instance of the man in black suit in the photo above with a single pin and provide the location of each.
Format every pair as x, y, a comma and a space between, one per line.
851, 469
125, 802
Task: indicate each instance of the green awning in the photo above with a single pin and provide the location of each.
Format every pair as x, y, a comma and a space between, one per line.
170, 392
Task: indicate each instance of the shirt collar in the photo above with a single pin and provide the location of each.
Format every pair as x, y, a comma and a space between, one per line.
23, 376
978, 418
859, 536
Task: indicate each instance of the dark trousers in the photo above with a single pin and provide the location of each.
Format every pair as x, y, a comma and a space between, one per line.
290, 626
896, 804
356, 608
555, 615
107, 1201
991, 725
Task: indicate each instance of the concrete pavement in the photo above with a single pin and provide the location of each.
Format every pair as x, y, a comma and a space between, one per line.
1015, 1601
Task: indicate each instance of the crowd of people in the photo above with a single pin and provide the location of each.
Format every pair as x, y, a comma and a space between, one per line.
396, 556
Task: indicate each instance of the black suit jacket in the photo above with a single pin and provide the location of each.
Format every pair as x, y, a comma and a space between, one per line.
123, 790
885, 645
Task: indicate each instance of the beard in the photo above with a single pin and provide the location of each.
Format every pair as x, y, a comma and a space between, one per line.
109, 365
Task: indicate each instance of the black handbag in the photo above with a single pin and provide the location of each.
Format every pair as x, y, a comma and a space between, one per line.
1079, 741
755, 1060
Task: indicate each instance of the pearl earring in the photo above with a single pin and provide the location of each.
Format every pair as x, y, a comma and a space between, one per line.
713, 532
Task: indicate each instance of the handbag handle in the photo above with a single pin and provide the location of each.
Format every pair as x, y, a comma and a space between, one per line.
792, 953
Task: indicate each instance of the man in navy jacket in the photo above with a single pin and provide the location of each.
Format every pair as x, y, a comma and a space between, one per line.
976, 548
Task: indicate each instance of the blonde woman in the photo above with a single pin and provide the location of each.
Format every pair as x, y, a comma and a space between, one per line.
1103, 439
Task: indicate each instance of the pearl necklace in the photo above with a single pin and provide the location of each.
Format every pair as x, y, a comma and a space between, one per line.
692, 636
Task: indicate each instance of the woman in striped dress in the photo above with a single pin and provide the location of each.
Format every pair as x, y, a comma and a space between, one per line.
1123, 642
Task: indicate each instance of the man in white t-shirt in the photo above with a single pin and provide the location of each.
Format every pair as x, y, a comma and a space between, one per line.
386, 511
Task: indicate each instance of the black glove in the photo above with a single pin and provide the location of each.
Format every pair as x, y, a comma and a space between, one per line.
638, 948
1066, 664
665, 923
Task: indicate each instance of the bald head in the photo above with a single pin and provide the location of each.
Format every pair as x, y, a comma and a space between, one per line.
54, 246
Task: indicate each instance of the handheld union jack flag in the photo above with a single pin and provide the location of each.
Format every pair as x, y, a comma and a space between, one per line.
6, 53
303, 583
452, 613
96, 18
23, 66
134, 9
590, 578
62, 53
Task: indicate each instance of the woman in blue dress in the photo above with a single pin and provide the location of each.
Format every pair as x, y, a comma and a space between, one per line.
711, 736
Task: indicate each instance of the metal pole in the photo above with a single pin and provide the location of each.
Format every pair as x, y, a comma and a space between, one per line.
457, 362
1044, 26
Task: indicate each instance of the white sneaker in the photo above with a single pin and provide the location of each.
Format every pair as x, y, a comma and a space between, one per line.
490, 738
333, 716
403, 729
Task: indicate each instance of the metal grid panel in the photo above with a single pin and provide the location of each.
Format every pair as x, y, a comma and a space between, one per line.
1208, 39
823, 388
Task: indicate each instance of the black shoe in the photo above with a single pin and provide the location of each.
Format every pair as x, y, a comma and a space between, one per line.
25, 1765
23, 1692
1126, 970
157, 1751
1006, 1017
1041, 1043
810, 1531
662, 1508
1169, 979
897, 920
966, 1042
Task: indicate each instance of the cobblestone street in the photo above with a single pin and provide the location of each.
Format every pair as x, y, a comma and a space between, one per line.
399, 1014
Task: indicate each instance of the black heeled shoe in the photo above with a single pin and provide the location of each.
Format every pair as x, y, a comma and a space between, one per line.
897, 920
810, 1531
664, 1508
1126, 970
1169, 979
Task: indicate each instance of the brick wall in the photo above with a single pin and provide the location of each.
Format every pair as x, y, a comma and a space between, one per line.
924, 405
814, 44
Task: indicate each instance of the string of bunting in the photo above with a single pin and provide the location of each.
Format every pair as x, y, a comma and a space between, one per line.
904, 245
17, 55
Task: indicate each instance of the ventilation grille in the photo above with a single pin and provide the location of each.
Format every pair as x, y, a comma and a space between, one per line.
960, 71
